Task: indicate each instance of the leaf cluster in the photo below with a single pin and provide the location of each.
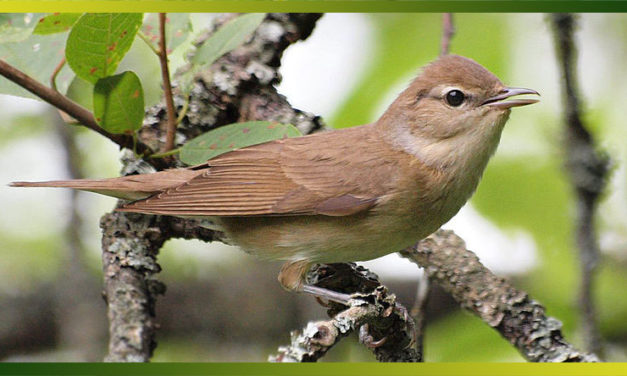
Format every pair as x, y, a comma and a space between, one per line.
79, 56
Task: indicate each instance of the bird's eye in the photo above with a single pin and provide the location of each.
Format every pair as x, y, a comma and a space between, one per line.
455, 98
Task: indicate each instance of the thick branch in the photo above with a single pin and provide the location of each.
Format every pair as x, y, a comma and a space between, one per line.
587, 169
511, 312
130, 243
70, 107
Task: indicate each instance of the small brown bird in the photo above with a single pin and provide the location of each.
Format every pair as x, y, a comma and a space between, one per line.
345, 195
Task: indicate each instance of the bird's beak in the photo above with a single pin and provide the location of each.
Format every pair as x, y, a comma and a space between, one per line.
500, 100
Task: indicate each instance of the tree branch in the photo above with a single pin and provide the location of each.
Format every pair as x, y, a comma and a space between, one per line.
511, 312
130, 243
587, 169
70, 107
167, 87
419, 311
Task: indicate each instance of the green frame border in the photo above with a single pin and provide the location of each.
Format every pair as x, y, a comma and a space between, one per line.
344, 369
362, 6
317, 369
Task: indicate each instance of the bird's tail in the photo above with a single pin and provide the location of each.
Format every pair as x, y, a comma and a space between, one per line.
132, 187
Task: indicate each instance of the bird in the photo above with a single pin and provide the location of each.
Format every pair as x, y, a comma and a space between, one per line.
344, 195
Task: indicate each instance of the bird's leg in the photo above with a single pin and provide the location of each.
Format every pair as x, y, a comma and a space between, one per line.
320, 292
411, 327
292, 275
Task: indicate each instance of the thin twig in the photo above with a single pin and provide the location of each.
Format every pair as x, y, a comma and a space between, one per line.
448, 30
55, 73
418, 312
65, 104
53, 84
587, 169
167, 87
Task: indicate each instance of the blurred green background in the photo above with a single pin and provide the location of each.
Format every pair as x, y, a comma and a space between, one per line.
223, 305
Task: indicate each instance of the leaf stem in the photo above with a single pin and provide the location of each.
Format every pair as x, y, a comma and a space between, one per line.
146, 40
183, 111
55, 73
167, 87
166, 153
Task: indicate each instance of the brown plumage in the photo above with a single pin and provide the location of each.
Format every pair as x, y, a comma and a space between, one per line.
279, 178
344, 195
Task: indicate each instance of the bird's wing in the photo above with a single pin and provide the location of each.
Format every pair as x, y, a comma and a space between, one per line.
283, 177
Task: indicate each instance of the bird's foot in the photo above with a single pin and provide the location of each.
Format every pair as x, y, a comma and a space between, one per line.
368, 340
411, 327
325, 304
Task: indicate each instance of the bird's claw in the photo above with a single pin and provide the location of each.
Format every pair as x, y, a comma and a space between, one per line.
411, 327
366, 338
321, 301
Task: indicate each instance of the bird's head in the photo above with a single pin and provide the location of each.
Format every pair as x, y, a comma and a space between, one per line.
454, 103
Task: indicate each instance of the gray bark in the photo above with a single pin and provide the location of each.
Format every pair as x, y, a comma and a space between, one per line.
518, 318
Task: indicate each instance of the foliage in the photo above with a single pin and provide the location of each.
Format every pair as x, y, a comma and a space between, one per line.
229, 137
177, 29
16, 27
56, 23
98, 42
224, 40
95, 44
37, 56
119, 102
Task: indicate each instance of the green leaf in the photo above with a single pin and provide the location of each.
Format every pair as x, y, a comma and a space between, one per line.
56, 23
228, 37
17, 27
37, 56
233, 136
98, 42
177, 29
81, 92
119, 103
